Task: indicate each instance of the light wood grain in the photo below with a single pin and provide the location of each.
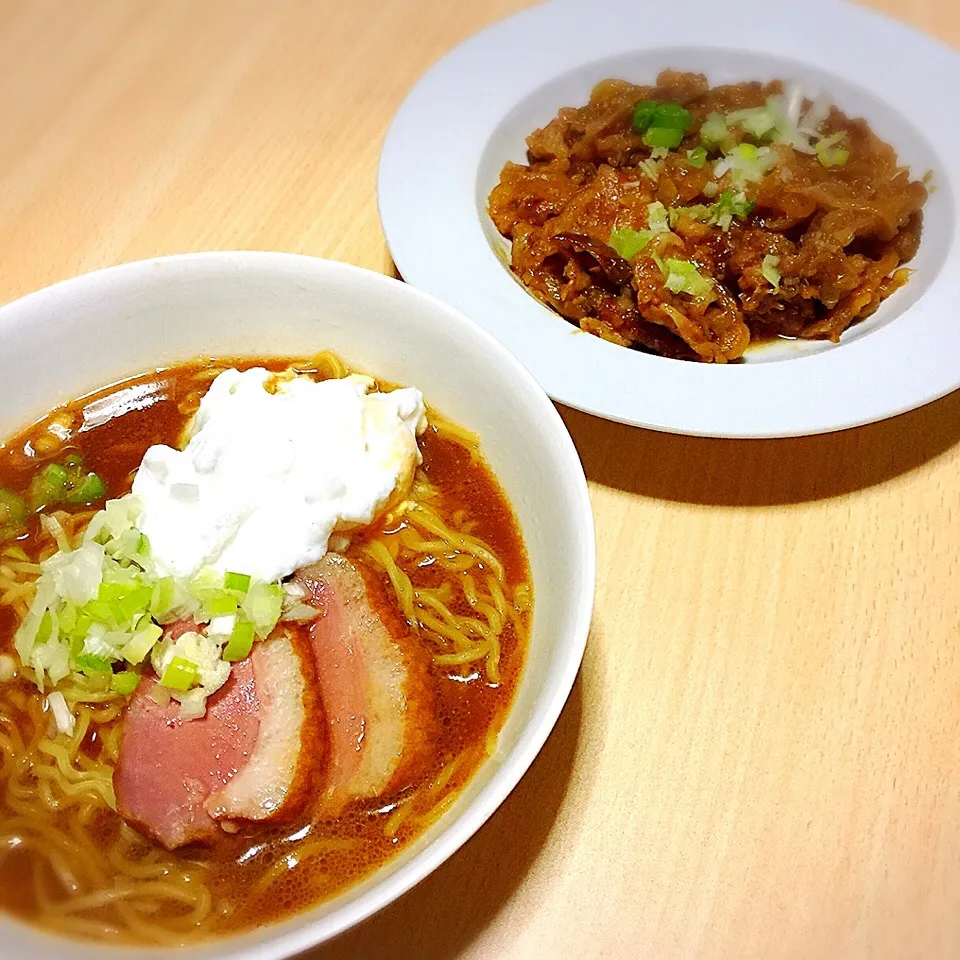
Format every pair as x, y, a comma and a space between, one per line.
761, 758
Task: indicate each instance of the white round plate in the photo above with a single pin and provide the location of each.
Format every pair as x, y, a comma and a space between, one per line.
473, 109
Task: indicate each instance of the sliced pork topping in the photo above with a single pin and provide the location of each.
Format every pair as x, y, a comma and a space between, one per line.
373, 683
167, 767
341, 705
276, 780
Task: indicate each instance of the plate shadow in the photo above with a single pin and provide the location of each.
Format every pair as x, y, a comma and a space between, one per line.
716, 472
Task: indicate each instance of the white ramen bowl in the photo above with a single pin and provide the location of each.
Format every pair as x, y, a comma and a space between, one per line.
61, 342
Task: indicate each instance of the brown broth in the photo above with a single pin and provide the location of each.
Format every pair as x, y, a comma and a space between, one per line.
154, 408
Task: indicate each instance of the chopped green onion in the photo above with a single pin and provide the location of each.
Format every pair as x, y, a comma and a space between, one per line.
683, 277
746, 164
672, 116
68, 618
263, 605
699, 212
124, 682
90, 489
221, 604
831, 155
715, 134
240, 643
650, 168
834, 157
100, 611
628, 243
643, 113
55, 475
658, 218
13, 509
80, 628
236, 581
758, 122
180, 674
89, 663
669, 137
697, 157
731, 204
45, 630
163, 598
123, 600
141, 643
770, 272
736, 203
48, 486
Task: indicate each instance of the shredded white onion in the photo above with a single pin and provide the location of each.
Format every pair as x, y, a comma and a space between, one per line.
818, 112
62, 716
52, 525
160, 695
793, 103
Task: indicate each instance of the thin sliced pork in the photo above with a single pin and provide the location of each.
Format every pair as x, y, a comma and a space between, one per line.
168, 767
276, 780
373, 682
254, 755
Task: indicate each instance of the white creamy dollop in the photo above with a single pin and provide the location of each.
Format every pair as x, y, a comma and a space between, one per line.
267, 477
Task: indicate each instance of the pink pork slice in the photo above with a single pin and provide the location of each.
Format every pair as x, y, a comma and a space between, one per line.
252, 757
373, 682
279, 776
167, 767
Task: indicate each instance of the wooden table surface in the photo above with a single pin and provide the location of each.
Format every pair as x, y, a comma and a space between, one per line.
761, 757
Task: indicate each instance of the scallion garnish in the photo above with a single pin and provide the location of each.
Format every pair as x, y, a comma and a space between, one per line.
770, 272
757, 122
101, 605
141, 643
668, 137
90, 489
657, 217
13, 511
89, 664
240, 643
124, 682
643, 112
672, 116
628, 243
697, 157
715, 134
48, 486
731, 204
682, 276
829, 154
180, 674
236, 581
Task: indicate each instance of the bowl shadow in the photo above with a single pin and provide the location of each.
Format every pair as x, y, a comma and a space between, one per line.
717, 472
418, 926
